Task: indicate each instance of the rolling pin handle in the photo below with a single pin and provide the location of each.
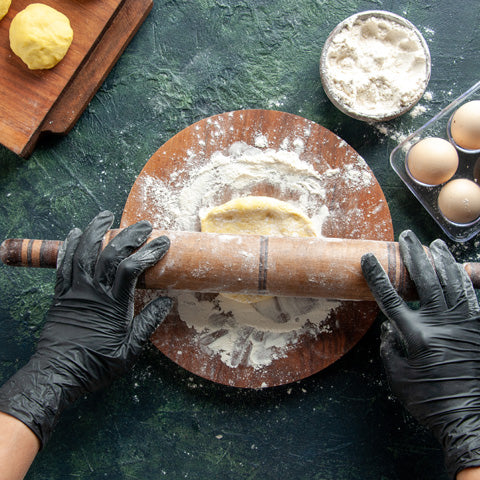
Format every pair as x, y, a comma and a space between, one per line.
24, 252
20, 252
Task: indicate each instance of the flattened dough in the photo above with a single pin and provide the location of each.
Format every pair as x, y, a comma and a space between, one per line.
260, 216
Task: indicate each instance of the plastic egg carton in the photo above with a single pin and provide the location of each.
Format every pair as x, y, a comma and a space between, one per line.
428, 195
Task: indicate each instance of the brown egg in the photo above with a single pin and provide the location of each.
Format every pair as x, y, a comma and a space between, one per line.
459, 201
432, 161
465, 126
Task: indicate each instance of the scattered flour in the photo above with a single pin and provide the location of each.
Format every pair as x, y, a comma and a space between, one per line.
391, 132
417, 111
261, 141
259, 331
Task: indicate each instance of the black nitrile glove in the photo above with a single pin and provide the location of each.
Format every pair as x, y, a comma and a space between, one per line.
90, 336
432, 355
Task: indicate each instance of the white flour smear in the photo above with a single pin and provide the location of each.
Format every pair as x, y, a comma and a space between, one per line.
258, 332
235, 174
251, 334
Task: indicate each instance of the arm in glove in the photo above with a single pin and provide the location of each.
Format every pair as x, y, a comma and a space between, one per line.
432, 354
90, 336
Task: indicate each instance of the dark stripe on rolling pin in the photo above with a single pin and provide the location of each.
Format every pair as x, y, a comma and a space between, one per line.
29, 253
43, 257
141, 282
263, 265
394, 270
392, 264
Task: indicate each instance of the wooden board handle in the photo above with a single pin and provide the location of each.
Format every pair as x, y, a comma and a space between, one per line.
251, 264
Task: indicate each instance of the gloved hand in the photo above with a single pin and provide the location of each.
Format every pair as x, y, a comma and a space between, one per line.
432, 355
90, 336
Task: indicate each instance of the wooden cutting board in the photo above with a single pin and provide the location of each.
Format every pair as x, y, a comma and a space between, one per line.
36, 101
357, 207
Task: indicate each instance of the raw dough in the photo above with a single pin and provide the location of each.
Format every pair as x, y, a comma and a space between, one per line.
260, 216
40, 36
4, 6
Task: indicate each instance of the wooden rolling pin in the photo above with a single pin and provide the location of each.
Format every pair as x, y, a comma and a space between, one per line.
251, 264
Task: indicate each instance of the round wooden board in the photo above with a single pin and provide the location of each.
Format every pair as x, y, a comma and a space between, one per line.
357, 209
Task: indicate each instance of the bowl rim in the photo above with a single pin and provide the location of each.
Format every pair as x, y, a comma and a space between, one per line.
326, 80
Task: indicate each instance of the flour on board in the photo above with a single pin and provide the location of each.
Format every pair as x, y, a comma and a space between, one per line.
259, 333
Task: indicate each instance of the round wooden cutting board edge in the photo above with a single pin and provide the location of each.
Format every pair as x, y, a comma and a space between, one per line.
349, 322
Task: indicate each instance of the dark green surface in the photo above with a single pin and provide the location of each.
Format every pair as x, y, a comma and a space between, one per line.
192, 59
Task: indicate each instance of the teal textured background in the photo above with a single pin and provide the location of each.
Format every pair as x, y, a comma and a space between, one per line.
192, 59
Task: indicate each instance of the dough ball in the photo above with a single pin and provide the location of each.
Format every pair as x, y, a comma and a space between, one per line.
256, 216
4, 7
40, 36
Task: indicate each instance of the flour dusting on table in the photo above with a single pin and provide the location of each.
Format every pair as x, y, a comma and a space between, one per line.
249, 334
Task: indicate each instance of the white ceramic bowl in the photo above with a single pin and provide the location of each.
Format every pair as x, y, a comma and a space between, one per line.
327, 75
